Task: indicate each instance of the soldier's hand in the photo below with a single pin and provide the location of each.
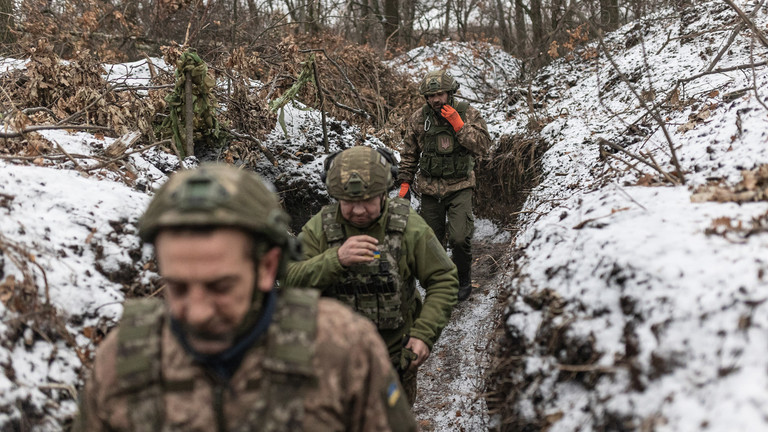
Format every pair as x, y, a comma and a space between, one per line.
453, 117
358, 250
420, 349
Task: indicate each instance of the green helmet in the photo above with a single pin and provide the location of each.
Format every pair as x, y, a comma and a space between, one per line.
438, 81
216, 195
359, 173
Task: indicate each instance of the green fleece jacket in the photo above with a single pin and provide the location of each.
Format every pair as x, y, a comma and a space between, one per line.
422, 258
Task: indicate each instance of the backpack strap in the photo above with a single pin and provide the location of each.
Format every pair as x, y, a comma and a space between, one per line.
139, 374
334, 232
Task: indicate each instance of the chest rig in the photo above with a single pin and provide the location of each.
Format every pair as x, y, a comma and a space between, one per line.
287, 366
376, 289
442, 156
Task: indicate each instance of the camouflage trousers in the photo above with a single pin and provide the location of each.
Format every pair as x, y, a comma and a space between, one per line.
452, 215
408, 381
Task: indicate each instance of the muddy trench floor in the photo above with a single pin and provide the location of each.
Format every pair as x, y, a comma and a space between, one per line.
452, 381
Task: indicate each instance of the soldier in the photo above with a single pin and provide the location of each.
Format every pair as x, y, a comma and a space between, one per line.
367, 250
442, 140
227, 350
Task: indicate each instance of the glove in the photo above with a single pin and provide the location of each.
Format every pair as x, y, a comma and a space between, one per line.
449, 113
405, 191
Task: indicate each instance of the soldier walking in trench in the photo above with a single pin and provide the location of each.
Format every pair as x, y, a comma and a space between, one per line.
442, 140
227, 350
367, 250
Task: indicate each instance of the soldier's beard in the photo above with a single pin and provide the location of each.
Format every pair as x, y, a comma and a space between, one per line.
437, 106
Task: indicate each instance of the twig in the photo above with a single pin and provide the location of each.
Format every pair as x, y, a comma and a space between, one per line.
736, 31
722, 70
56, 386
603, 141
189, 115
751, 24
261, 146
71, 159
51, 127
587, 368
754, 76
319, 89
343, 74
29, 111
124, 155
645, 106
629, 196
346, 107
584, 223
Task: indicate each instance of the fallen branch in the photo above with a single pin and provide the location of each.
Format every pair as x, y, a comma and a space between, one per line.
751, 24
124, 155
654, 114
656, 167
732, 37
341, 71
52, 127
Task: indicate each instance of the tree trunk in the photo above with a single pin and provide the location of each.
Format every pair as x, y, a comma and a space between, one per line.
447, 28
537, 27
557, 13
609, 14
6, 21
506, 37
520, 31
392, 19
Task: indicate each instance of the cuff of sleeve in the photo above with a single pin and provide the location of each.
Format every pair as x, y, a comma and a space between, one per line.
337, 267
418, 335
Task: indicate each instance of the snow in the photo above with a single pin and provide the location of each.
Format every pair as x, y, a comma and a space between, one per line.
637, 262
675, 315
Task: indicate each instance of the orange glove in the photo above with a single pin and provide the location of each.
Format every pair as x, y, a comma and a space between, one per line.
453, 117
405, 191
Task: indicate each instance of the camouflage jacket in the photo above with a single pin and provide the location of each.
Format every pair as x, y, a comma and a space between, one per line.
355, 388
422, 257
473, 136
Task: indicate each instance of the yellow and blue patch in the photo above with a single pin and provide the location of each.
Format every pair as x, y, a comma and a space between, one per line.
393, 394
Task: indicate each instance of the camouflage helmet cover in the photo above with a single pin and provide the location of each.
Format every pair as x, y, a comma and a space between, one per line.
358, 173
216, 195
438, 81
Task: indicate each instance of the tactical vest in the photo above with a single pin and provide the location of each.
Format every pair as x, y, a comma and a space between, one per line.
442, 156
287, 365
375, 290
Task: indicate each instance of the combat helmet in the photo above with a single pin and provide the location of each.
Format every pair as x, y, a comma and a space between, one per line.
217, 195
359, 173
438, 81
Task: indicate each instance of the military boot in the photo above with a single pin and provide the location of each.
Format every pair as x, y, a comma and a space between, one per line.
465, 285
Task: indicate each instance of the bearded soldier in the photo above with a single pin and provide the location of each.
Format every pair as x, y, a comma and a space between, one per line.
442, 140
227, 350
367, 250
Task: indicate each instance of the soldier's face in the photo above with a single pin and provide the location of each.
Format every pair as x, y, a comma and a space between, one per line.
437, 100
210, 278
361, 214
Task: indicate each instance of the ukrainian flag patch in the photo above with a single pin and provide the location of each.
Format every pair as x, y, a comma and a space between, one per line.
393, 394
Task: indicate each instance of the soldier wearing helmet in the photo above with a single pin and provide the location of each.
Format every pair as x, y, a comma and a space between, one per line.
226, 350
442, 140
367, 251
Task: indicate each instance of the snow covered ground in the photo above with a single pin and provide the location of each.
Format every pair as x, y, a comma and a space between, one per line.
637, 308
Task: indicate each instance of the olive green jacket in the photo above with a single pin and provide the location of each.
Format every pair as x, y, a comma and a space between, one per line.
473, 136
422, 258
